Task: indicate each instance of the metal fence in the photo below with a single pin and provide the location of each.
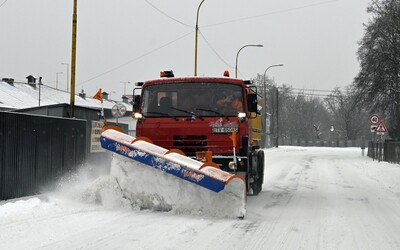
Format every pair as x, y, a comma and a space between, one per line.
321, 143
36, 150
388, 151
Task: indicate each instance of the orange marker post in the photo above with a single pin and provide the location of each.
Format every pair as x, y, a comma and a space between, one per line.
233, 138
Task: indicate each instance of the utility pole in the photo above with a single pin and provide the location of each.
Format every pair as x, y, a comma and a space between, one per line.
73, 60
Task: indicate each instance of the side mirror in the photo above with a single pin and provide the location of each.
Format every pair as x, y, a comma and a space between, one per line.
252, 102
136, 103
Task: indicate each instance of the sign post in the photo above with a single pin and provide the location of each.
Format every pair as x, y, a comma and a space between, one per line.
97, 127
378, 127
374, 121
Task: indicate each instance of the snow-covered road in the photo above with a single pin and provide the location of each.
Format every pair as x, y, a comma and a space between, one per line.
312, 198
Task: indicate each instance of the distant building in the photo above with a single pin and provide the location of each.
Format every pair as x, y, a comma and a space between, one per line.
31, 79
8, 80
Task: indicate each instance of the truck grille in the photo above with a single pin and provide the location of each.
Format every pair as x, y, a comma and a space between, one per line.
189, 144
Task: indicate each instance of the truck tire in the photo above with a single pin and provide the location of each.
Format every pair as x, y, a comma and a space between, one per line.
249, 171
260, 167
255, 171
257, 185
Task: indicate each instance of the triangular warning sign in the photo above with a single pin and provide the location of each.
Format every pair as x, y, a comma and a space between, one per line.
381, 128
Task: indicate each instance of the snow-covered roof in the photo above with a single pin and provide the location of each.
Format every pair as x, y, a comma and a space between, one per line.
23, 95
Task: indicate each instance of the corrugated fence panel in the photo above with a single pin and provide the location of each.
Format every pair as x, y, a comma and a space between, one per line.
36, 150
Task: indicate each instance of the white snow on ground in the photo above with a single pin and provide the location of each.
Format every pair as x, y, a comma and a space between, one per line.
148, 187
312, 198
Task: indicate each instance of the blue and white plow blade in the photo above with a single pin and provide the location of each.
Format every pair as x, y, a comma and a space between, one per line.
160, 179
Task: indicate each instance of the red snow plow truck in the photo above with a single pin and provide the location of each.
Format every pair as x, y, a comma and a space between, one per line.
209, 119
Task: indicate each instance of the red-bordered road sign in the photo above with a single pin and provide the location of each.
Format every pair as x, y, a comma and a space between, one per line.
381, 128
374, 119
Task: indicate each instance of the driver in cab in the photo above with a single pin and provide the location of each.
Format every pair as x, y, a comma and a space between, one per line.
230, 102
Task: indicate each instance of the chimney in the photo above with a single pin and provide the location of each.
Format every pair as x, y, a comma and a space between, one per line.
82, 94
105, 95
9, 81
31, 80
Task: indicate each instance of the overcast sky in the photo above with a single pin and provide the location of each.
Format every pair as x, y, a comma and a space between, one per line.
133, 40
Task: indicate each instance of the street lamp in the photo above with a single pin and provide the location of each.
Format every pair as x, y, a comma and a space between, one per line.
67, 73
57, 78
237, 55
196, 38
265, 98
125, 86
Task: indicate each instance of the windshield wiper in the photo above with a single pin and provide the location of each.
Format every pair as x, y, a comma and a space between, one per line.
161, 113
188, 112
215, 112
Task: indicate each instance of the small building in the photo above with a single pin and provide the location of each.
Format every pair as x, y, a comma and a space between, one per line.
31, 79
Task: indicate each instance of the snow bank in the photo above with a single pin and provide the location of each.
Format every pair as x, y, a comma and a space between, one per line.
117, 187
149, 188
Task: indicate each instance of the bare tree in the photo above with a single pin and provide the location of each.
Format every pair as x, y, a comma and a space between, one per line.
348, 118
378, 82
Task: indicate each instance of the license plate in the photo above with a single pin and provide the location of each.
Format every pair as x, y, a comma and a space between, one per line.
224, 130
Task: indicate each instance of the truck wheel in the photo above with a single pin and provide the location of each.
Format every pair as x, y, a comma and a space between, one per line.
260, 170
249, 174
260, 165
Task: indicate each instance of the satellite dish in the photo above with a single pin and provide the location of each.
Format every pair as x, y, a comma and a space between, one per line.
118, 110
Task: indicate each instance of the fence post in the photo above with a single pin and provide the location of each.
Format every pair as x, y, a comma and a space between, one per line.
362, 145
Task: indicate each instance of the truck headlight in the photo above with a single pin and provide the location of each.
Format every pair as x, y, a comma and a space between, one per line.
242, 115
137, 115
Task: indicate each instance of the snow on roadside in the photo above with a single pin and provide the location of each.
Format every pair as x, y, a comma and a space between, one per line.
306, 203
97, 188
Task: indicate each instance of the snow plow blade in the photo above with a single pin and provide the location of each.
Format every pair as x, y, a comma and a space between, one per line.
176, 181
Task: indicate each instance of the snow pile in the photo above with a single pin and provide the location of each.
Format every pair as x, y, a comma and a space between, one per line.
132, 186
149, 188
91, 185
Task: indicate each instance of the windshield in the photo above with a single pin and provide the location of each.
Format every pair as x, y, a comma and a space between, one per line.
192, 99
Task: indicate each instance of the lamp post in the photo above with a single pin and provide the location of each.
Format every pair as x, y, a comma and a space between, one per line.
125, 86
265, 99
67, 74
57, 78
237, 55
196, 38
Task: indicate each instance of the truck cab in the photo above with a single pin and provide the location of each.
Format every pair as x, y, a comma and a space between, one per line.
200, 114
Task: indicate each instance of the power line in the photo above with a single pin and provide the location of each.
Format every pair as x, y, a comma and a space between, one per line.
135, 59
310, 94
315, 90
176, 20
272, 13
3, 3
215, 52
165, 14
